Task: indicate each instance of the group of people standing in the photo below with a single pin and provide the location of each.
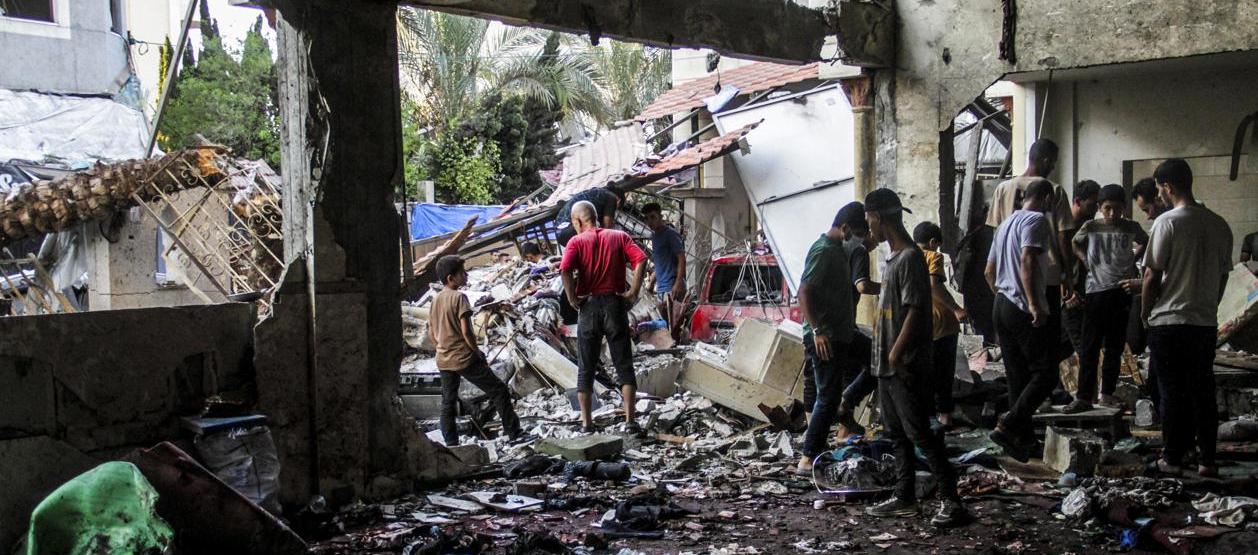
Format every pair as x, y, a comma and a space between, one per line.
909, 359
593, 265
1059, 273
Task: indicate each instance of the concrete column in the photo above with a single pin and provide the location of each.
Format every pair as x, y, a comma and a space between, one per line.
328, 358
866, 143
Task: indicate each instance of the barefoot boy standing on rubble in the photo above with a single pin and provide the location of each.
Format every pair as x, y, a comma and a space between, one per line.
902, 364
593, 270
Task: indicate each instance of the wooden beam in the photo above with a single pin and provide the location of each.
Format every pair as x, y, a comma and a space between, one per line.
766, 30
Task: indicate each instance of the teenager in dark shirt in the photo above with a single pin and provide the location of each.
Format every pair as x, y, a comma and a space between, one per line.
903, 366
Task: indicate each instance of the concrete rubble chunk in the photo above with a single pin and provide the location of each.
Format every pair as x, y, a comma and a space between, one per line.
1072, 450
584, 448
1144, 413
471, 454
1119, 464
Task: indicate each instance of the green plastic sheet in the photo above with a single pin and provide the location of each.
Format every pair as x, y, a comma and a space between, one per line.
108, 509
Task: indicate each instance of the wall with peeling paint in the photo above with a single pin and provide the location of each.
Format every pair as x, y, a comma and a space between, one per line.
948, 53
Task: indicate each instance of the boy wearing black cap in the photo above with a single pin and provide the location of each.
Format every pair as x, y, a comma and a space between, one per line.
1107, 247
902, 364
458, 357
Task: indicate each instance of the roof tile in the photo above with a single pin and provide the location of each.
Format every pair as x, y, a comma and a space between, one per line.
751, 78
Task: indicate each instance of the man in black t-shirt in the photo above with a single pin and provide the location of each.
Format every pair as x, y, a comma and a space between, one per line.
606, 201
902, 362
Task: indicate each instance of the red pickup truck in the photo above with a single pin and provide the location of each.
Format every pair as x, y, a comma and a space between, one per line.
737, 287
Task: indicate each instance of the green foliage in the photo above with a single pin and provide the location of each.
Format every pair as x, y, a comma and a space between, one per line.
465, 170
632, 75
482, 96
525, 130
227, 100
163, 63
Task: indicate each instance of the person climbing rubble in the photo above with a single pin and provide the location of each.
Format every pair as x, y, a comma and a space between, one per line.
1017, 269
458, 357
593, 269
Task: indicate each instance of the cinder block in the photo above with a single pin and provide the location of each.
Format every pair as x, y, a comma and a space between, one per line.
471, 454
660, 381
583, 448
1071, 450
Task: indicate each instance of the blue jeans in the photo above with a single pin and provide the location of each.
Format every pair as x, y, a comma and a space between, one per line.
828, 375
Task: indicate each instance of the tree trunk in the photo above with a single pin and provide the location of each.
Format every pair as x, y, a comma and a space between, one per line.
94, 193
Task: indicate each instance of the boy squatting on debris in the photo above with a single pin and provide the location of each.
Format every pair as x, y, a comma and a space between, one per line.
458, 357
902, 363
593, 271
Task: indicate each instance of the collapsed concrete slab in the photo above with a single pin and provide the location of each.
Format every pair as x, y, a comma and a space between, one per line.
584, 448
764, 367
550, 363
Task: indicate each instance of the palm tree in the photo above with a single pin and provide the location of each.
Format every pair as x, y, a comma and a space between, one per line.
449, 63
631, 75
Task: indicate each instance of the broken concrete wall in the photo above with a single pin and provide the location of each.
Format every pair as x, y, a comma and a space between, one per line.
948, 54
123, 266
80, 388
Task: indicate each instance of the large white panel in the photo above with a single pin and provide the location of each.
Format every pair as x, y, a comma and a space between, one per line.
805, 139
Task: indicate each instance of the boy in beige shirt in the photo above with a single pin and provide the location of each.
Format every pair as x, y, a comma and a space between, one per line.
458, 357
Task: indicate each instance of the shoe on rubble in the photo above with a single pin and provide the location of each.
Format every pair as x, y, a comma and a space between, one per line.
1077, 406
1165, 467
951, 513
849, 423
633, 429
894, 507
1011, 447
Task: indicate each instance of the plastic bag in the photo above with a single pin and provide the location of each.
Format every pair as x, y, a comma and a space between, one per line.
108, 509
246, 459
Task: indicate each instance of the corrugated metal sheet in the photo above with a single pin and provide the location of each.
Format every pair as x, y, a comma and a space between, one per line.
749, 79
641, 171
602, 161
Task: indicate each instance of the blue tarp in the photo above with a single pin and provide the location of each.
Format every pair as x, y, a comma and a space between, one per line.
432, 220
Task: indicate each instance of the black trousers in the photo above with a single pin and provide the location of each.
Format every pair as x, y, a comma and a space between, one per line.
1030, 363
482, 377
1104, 326
1184, 357
860, 384
604, 316
905, 402
829, 378
944, 358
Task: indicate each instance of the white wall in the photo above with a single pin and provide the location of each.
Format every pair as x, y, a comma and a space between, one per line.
1100, 123
150, 22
